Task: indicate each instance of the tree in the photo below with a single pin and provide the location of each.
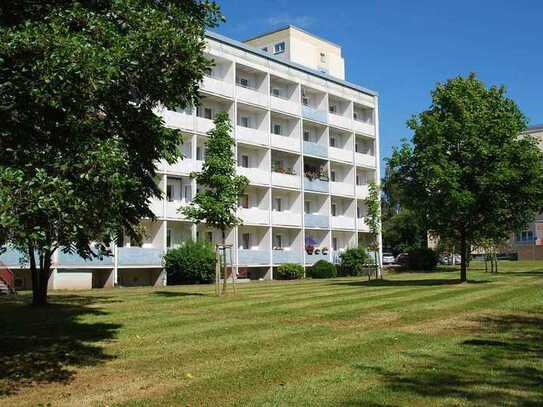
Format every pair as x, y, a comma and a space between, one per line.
80, 82
373, 220
217, 201
470, 168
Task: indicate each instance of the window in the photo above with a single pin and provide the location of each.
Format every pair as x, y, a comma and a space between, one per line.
246, 241
188, 196
244, 201
210, 237
277, 129
307, 207
355, 115
278, 241
305, 101
332, 108
276, 92
278, 204
332, 141
169, 193
208, 114
358, 180
334, 243
244, 82
198, 153
279, 48
245, 122
333, 175
265, 49
359, 212
334, 209
168, 238
307, 135
209, 72
323, 57
245, 161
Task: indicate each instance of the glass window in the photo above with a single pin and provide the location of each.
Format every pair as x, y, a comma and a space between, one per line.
277, 129
208, 113
334, 243
245, 161
169, 238
278, 205
246, 241
332, 141
244, 201
278, 241
307, 135
323, 57
265, 49
245, 122
307, 207
244, 82
334, 209
276, 92
333, 175
279, 47
169, 193
332, 108
210, 237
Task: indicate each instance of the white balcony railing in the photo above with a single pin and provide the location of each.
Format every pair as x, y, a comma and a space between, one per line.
254, 216
286, 218
251, 95
255, 175
172, 210
342, 222
157, 207
252, 136
203, 125
340, 154
216, 85
364, 127
341, 188
284, 105
340, 121
184, 166
286, 180
361, 225
362, 191
285, 142
365, 160
178, 120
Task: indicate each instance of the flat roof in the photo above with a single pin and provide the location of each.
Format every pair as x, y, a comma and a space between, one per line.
535, 127
294, 65
286, 27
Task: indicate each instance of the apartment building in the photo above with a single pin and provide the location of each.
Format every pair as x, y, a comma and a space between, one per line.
528, 244
305, 138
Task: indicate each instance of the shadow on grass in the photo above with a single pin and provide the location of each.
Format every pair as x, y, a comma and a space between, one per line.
408, 283
44, 345
502, 366
174, 294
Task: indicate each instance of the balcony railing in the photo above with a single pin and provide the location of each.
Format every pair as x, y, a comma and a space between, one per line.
316, 185
285, 180
343, 222
253, 257
362, 191
255, 175
73, 259
311, 113
340, 154
286, 218
203, 125
254, 215
139, 256
287, 256
252, 136
178, 120
184, 166
313, 258
285, 142
216, 85
364, 127
365, 160
340, 121
341, 188
361, 225
282, 104
251, 95
316, 221
318, 150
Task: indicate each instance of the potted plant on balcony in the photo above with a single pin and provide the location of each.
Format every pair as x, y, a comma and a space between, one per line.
309, 249
324, 251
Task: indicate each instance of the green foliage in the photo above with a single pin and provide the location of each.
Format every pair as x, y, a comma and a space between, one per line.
352, 262
373, 217
217, 201
422, 259
79, 137
289, 271
192, 262
322, 269
468, 171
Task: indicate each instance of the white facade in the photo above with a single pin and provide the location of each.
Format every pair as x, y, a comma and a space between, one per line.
287, 121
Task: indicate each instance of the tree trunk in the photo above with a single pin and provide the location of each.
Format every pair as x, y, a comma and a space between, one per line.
40, 277
224, 261
463, 257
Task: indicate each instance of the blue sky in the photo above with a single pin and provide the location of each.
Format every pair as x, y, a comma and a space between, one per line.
402, 48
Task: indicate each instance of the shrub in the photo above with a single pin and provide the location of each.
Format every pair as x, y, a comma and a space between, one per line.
352, 262
192, 262
289, 271
422, 259
322, 269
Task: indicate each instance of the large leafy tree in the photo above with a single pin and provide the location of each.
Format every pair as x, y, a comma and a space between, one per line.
79, 84
217, 201
475, 175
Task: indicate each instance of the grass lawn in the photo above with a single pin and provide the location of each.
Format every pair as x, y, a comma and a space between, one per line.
414, 339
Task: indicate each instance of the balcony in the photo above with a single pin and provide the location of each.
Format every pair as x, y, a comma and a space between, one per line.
340, 154
311, 113
252, 96
361, 225
252, 136
362, 191
216, 85
178, 120
184, 166
316, 221
341, 188
286, 180
253, 257
74, 260
12, 258
172, 210
317, 150
284, 105
157, 207
364, 127
343, 222
202, 125
340, 121
254, 216
139, 256
316, 185
365, 160
285, 143
286, 256
313, 258
255, 175
286, 218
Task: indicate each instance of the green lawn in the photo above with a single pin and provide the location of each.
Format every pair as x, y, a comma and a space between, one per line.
414, 339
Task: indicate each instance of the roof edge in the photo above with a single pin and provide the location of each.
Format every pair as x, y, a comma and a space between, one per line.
295, 27
256, 51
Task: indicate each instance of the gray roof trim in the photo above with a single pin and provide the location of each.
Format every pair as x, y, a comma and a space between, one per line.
286, 27
535, 128
256, 51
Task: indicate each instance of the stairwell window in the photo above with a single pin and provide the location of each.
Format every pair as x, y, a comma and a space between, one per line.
279, 48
